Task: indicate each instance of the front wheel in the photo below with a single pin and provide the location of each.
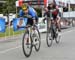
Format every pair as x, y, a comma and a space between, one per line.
27, 44
49, 37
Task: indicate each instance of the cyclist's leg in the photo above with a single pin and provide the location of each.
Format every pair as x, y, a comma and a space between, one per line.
29, 23
27, 31
49, 22
55, 20
58, 24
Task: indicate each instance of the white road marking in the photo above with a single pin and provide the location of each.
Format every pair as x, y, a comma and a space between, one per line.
7, 50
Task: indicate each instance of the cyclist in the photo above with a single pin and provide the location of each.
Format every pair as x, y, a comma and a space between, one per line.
55, 11
29, 12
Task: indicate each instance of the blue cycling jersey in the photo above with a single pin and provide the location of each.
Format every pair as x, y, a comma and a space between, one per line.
31, 12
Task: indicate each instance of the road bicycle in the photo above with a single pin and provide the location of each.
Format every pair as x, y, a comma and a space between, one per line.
52, 31
31, 38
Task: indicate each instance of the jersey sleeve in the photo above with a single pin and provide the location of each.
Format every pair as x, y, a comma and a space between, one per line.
32, 12
21, 13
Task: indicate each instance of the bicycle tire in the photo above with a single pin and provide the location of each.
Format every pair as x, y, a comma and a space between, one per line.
23, 46
39, 40
47, 38
57, 39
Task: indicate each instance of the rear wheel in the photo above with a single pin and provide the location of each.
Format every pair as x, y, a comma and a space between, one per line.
27, 44
57, 38
37, 40
56, 35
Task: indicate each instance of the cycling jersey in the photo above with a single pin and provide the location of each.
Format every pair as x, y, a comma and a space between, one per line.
31, 12
54, 13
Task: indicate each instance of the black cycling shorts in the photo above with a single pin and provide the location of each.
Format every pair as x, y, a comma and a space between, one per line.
30, 21
54, 16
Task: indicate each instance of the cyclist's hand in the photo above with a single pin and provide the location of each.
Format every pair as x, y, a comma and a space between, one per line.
44, 20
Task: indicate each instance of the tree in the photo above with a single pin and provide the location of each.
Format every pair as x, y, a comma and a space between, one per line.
8, 7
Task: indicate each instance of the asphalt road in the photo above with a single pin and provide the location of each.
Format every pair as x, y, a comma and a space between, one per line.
65, 50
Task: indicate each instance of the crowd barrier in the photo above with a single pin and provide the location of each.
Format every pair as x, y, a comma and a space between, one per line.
69, 15
2, 25
15, 22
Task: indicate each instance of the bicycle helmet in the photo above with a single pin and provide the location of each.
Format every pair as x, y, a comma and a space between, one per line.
24, 7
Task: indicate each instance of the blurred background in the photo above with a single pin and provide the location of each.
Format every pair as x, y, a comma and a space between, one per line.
9, 10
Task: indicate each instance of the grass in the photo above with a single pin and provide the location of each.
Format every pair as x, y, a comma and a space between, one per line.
11, 32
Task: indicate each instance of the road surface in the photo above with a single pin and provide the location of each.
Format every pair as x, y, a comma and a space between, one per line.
65, 50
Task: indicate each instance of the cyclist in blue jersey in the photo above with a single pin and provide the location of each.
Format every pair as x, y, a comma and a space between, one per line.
28, 11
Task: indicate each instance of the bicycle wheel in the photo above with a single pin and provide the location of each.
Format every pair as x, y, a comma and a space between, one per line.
27, 44
49, 37
57, 38
37, 40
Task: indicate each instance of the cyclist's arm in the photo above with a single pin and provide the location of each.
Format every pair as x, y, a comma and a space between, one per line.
21, 13
33, 14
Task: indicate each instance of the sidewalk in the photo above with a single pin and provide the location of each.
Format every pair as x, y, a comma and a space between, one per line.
4, 39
